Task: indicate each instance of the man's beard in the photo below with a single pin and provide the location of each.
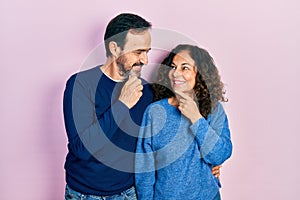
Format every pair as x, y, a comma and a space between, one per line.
122, 70
120, 63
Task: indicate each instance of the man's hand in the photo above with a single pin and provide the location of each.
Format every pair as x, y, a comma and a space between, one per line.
131, 91
216, 171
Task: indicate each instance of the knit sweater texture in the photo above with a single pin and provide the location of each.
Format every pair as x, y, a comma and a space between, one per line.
174, 157
101, 132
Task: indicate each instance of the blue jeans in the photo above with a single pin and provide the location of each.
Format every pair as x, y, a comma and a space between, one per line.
128, 194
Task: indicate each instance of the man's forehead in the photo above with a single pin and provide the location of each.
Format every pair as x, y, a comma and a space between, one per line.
138, 41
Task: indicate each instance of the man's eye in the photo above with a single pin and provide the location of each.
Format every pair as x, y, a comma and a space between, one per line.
173, 67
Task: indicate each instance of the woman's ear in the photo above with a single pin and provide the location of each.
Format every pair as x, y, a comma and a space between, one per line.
114, 49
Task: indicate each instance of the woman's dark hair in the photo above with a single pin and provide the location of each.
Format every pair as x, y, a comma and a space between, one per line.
208, 88
119, 26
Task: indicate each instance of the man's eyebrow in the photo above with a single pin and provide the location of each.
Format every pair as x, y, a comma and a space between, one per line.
143, 50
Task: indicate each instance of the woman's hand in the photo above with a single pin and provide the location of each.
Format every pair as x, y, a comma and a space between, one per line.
188, 107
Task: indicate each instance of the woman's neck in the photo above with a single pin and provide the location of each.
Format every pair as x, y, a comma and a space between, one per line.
173, 101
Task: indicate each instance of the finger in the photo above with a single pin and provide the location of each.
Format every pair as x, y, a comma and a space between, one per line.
139, 94
182, 101
180, 108
139, 88
131, 79
216, 173
183, 95
135, 83
217, 167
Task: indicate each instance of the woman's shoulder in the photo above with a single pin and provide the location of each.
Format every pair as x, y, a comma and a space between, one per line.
217, 111
218, 108
161, 102
157, 106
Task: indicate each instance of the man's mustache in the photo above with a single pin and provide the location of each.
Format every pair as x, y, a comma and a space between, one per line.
139, 64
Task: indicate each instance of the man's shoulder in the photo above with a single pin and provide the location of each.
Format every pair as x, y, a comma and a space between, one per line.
90, 73
86, 76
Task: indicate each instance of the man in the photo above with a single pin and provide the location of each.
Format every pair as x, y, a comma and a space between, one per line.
103, 108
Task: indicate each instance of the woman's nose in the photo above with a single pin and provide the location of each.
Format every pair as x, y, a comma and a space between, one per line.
177, 72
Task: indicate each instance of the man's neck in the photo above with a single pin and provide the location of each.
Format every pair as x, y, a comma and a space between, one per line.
111, 69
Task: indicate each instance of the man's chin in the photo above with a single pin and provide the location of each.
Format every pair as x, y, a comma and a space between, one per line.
135, 73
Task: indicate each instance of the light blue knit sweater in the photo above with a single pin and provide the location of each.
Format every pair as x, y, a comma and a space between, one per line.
174, 157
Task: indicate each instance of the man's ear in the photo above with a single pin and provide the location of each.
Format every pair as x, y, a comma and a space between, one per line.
115, 50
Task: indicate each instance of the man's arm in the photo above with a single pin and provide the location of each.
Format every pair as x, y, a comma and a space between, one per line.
87, 132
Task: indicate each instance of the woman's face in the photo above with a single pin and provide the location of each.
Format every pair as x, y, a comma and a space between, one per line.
183, 72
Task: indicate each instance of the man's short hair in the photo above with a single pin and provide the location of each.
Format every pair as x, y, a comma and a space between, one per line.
119, 26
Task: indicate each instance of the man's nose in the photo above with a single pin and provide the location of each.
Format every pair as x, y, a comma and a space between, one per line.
144, 58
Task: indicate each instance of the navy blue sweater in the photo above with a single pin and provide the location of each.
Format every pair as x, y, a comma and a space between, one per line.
101, 133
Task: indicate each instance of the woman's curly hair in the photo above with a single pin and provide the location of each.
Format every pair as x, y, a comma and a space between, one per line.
208, 88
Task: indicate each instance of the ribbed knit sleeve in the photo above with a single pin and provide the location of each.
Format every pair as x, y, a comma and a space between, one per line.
88, 133
213, 136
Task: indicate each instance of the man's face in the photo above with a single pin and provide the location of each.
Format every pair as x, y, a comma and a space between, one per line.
134, 54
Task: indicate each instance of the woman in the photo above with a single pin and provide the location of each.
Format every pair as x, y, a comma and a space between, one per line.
185, 132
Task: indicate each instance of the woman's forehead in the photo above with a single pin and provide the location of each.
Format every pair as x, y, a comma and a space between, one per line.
183, 57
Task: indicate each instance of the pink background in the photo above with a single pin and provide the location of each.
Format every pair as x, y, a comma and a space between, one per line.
255, 44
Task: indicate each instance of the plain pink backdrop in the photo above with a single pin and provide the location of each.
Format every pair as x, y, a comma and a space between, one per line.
255, 45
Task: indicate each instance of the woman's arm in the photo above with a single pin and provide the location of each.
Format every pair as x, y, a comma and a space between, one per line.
213, 136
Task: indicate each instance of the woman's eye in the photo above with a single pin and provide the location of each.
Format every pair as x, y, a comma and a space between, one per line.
185, 67
173, 67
